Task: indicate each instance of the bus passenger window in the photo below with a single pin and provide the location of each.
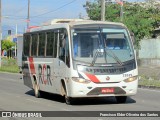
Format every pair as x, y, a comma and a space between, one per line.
55, 44
41, 44
50, 39
34, 45
26, 45
62, 47
67, 52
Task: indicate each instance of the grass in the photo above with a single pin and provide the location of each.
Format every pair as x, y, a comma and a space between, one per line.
9, 65
151, 81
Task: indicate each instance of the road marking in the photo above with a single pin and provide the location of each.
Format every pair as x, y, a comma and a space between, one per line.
149, 90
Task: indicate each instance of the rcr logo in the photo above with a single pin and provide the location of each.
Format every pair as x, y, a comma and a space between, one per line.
44, 74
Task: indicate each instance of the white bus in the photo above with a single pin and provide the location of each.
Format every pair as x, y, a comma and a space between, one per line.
80, 58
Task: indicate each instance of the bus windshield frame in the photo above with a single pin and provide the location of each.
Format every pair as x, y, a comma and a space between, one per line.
97, 45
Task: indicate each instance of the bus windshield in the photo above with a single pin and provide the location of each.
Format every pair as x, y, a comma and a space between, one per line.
101, 45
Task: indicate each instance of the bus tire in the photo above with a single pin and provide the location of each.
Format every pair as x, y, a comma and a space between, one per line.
121, 99
36, 91
68, 100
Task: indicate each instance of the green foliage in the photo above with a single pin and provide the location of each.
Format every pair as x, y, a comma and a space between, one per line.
93, 10
7, 44
9, 65
140, 20
113, 13
145, 81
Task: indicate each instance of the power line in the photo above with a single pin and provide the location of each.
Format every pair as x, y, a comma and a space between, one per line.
23, 17
14, 17
17, 11
21, 9
54, 10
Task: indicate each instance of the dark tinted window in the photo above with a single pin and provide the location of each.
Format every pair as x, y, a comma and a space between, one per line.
50, 42
64, 46
41, 44
61, 46
55, 44
34, 45
26, 45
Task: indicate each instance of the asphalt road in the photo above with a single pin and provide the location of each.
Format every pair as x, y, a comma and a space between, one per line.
14, 96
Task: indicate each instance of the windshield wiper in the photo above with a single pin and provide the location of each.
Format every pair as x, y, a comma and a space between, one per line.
113, 55
106, 51
110, 53
95, 57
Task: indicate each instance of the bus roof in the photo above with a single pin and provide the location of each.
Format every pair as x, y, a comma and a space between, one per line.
57, 23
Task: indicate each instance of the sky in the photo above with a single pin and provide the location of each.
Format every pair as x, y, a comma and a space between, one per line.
14, 12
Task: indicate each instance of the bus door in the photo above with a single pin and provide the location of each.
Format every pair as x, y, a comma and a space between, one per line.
60, 62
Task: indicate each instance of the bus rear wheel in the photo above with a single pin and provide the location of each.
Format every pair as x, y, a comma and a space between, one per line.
36, 91
121, 99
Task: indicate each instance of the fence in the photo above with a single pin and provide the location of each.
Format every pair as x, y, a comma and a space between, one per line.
149, 54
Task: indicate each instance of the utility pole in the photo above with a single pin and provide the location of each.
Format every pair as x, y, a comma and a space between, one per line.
102, 10
121, 12
28, 17
0, 33
16, 42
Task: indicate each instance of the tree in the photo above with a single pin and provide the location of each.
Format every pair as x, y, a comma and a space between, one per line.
141, 19
7, 44
93, 10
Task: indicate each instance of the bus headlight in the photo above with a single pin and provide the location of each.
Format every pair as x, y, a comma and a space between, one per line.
131, 79
80, 80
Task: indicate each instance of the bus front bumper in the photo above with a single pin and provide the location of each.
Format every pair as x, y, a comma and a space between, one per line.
103, 89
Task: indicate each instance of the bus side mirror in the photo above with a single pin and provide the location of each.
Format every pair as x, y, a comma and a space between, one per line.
132, 37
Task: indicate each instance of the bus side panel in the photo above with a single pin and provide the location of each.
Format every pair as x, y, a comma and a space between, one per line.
26, 74
44, 70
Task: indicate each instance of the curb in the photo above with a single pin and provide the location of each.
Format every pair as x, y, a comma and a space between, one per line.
148, 87
10, 73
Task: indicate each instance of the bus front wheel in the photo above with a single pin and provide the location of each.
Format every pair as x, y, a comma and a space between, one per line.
69, 100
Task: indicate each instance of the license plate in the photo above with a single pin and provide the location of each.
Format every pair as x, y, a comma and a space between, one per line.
107, 90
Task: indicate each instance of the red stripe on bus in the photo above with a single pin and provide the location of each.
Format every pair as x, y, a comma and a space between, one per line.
93, 78
31, 65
